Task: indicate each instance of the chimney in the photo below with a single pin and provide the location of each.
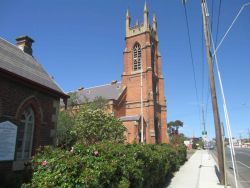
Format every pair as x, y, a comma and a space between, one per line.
80, 88
25, 44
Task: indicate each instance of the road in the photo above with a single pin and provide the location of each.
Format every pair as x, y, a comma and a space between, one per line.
243, 166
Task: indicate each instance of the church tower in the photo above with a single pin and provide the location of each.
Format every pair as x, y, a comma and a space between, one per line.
142, 63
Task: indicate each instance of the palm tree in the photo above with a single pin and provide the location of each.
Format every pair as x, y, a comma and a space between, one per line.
173, 128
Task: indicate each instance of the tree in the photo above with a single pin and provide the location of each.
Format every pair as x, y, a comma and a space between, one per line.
173, 130
97, 103
173, 126
66, 127
96, 125
73, 99
66, 136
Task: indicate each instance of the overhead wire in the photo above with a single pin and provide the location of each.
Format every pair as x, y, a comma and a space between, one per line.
214, 56
233, 157
217, 31
202, 63
207, 100
191, 56
212, 15
204, 113
218, 23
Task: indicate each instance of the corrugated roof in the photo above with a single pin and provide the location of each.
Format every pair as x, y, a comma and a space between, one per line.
14, 60
108, 91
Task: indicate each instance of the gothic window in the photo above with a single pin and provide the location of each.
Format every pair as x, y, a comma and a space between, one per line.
137, 57
25, 135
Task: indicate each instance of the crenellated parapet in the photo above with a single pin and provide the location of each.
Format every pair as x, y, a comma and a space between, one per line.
141, 28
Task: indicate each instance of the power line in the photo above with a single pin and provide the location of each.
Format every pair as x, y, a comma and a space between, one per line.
213, 93
205, 103
203, 79
217, 31
191, 55
202, 63
212, 16
207, 100
218, 22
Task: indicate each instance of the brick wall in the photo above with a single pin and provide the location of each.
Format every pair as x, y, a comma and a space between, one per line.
154, 107
16, 97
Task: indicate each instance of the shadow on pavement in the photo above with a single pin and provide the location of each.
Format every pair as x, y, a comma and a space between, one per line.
217, 171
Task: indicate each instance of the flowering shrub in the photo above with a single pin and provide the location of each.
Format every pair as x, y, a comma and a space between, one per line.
106, 164
92, 126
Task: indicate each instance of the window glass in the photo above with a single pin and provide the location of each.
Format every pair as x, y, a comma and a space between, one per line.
137, 57
25, 135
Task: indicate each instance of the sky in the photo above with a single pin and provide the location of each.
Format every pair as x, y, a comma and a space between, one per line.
81, 42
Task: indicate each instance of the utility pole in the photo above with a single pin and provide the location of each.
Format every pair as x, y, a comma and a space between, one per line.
224, 151
213, 94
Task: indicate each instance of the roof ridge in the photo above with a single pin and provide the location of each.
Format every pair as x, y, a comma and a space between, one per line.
21, 51
101, 85
24, 65
94, 87
15, 46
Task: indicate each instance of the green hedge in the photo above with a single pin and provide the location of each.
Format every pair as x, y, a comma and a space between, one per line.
106, 165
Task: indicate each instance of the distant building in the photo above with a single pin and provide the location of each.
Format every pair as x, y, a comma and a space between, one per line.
141, 54
29, 100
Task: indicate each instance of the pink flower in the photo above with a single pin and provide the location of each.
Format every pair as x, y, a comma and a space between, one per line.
96, 153
45, 163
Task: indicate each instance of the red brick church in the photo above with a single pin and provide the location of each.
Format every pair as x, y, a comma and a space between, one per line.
29, 105
138, 100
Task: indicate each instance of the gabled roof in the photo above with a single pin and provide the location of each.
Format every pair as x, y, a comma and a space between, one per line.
108, 91
23, 65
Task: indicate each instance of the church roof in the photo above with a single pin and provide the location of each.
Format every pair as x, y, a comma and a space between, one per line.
130, 118
109, 91
13, 60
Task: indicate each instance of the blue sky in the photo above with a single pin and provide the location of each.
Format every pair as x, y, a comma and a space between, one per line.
81, 43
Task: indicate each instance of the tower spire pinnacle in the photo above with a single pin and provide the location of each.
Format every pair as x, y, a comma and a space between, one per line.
127, 13
154, 17
155, 26
145, 7
127, 21
137, 22
146, 23
154, 22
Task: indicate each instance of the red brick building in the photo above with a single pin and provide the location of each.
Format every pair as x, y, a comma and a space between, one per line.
29, 99
133, 104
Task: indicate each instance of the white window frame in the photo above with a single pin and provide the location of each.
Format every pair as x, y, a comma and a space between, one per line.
29, 119
137, 65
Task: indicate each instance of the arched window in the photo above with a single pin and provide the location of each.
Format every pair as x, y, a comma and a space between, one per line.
137, 57
25, 134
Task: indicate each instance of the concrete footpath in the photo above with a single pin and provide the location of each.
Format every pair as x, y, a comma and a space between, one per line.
198, 172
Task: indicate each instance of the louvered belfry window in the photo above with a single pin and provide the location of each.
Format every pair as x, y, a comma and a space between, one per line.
137, 57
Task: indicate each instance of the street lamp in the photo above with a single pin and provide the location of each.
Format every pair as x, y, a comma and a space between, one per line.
222, 92
240, 11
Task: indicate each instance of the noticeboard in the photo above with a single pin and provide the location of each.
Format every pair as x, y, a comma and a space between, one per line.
8, 133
